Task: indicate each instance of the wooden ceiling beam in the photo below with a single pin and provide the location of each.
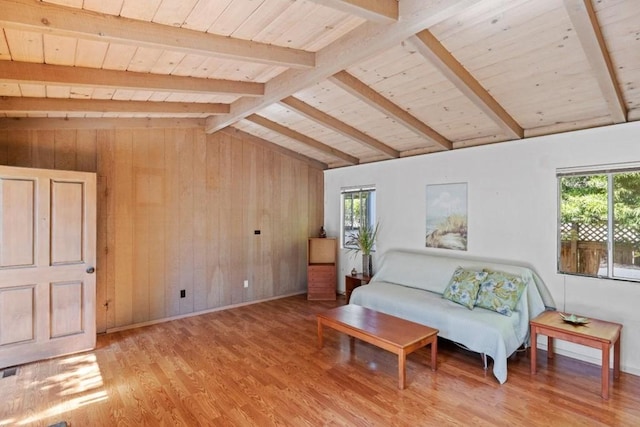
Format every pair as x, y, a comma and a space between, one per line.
67, 21
429, 47
338, 126
585, 22
8, 103
372, 98
380, 11
313, 143
367, 40
28, 123
27, 72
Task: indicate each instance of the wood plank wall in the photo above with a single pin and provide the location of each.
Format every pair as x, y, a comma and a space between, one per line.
177, 209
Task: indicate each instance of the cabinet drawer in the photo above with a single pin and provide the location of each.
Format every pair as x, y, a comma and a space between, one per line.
321, 287
322, 284
321, 268
323, 296
322, 275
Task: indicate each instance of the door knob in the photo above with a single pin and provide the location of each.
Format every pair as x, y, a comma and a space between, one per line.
91, 270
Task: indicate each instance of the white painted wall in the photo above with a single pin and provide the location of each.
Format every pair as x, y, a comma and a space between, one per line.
512, 198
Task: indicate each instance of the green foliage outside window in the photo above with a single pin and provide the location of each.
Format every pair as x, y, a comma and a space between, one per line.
585, 219
584, 199
358, 208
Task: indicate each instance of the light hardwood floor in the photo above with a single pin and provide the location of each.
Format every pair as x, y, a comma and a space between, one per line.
259, 365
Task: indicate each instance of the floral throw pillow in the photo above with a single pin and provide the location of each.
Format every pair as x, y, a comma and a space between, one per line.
500, 292
463, 286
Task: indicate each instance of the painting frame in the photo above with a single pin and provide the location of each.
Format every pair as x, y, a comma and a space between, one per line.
446, 217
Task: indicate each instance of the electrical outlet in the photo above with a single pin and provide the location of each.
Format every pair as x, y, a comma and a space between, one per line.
183, 293
246, 283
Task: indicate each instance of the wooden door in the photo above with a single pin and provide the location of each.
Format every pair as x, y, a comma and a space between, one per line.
47, 259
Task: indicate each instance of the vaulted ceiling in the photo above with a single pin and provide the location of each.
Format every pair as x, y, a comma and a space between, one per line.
339, 81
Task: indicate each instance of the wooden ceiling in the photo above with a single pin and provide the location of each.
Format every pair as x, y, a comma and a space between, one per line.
339, 81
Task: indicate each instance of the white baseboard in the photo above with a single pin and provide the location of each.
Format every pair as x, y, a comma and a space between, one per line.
587, 358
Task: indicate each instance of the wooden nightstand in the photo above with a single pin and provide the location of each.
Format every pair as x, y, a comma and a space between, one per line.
351, 282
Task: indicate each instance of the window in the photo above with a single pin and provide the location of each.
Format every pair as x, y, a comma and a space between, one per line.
599, 223
358, 208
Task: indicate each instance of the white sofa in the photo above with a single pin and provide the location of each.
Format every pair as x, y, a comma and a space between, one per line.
410, 285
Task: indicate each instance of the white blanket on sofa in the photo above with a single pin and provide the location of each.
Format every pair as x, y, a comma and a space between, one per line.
410, 285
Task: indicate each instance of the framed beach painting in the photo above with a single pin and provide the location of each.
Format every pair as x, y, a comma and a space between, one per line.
447, 216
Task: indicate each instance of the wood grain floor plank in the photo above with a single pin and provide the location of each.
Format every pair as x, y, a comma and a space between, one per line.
259, 365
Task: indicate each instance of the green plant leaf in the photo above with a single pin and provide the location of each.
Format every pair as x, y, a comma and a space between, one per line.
364, 239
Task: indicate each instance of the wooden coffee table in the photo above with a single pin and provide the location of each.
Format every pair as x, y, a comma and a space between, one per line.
390, 333
597, 334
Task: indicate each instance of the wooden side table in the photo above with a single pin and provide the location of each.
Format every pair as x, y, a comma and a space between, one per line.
351, 282
597, 334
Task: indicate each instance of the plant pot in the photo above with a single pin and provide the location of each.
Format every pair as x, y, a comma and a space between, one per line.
367, 267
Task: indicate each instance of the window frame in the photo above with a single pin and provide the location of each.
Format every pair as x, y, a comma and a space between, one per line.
609, 171
371, 190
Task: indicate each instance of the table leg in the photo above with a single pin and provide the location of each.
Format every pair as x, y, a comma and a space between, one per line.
434, 354
606, 348
402, 375
534, 348
616, 358
549, 347
320, 343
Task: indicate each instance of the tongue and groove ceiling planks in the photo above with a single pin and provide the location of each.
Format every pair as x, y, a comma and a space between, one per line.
342, 82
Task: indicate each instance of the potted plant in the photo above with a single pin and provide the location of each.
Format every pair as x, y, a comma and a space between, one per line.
363, 241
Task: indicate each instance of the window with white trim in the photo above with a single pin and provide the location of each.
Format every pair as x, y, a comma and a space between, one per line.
599, 222
358, 208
